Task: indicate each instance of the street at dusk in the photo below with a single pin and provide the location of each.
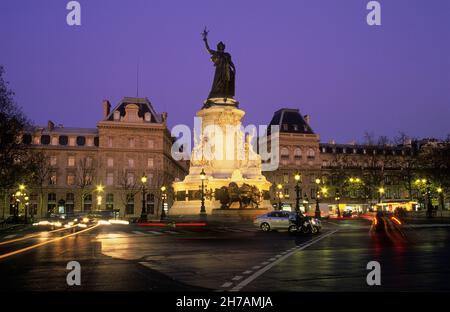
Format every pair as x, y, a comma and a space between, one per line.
230, 155
137, 258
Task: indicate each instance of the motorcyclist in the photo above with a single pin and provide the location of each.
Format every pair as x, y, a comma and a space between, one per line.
299, 219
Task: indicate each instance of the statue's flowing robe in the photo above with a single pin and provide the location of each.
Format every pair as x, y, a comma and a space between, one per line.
223, 84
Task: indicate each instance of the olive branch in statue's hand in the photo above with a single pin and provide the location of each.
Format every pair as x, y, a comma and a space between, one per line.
205, 34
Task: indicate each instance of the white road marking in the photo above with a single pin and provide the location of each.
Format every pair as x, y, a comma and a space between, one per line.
258, 273
265, 262
272, 259
256, 267
225, 285
139, 233
172, 232
247, 272
154, 232
237, 278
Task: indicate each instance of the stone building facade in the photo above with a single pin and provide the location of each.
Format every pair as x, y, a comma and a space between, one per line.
100, 169
355, 177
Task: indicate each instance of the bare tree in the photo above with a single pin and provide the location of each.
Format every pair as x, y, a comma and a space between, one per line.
84, 177
40, 175
129, 187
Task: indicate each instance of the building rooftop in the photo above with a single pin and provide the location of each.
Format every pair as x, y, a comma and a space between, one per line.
290, 120
144, 105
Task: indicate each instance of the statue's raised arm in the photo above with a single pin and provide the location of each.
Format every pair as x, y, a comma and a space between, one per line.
205, 39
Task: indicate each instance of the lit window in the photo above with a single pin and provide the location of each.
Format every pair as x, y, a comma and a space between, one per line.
71, 161
150, 163
89, 162
298, 153
130, 179
311, 154
110, 178
52, 160
70, 179
110, 162
52, 180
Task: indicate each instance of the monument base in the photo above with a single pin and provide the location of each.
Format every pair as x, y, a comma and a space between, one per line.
192, 207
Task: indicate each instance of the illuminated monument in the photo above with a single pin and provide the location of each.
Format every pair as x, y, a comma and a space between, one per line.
223, 158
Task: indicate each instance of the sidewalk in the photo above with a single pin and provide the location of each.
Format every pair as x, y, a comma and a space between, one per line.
9, 227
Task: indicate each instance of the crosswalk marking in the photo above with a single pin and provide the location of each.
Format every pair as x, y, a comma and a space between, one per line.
139, 233
154, 232
172, 232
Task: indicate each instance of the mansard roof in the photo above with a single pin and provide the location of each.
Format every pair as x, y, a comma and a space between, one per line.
291, 121
144, 105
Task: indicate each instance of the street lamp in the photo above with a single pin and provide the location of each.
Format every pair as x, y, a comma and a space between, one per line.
163, 197
317, 212
305, 202
202, 207
279, 194
441, 197
21, 196
99, 190
337, 198
297, 178
429, 203
380, 194
144, 210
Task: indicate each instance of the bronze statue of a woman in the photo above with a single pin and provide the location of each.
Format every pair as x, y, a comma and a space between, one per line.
224, 76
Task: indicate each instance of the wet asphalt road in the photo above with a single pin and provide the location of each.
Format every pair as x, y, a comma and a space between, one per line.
224, 258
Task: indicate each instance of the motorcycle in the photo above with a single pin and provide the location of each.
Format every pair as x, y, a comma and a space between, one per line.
308, 225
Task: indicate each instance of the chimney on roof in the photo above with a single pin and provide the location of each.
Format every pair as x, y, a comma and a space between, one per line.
307, 119
50, 125
106, 108
164, 117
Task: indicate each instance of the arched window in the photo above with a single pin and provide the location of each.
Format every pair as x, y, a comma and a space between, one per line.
298, 153
311, 154
81, 140
45, 139
284, 153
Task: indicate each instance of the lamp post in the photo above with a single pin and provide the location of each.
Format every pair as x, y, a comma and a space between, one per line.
337, 199
323, 190
297, 178
202, 207
441, 197
429, 202
144, 210
21, 196
305, 203
380, 194
163, 198
99, 190
279, 195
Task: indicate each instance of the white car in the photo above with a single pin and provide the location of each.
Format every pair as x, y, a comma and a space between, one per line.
274, 220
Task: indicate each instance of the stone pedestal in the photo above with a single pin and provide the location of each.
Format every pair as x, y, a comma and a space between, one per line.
225, 154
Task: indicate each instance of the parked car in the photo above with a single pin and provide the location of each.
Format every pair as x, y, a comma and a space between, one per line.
274, 220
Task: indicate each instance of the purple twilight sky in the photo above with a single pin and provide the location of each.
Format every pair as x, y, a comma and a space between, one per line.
316, 55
